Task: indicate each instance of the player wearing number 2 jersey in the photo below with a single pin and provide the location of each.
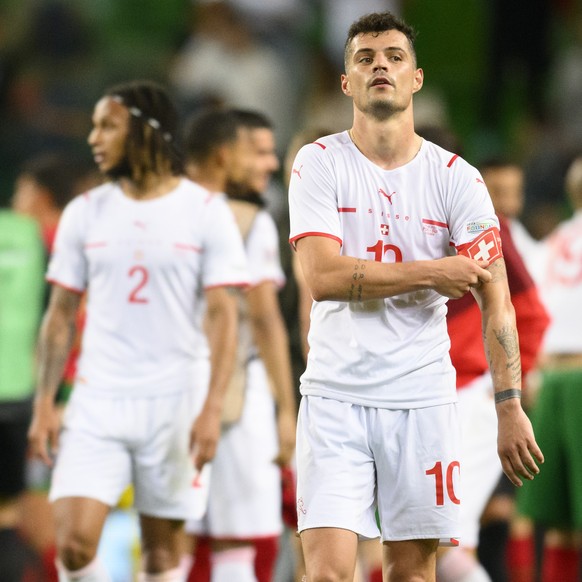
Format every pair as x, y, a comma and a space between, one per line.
376, 215
145, 246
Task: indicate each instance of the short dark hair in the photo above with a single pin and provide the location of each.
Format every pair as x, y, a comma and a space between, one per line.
153, 130
251, 119
58, 172
207, 130
374, 24
498, 162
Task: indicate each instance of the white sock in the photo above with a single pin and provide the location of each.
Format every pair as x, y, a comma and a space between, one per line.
234, 564
93, 572
458, 565
174, 575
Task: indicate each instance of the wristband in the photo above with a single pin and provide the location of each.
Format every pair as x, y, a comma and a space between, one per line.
507, 394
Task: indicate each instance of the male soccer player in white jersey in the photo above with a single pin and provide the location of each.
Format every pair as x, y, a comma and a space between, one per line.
147, 400
233, 151
376, 215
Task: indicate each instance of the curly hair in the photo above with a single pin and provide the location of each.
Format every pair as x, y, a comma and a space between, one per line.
376, 23
153, 128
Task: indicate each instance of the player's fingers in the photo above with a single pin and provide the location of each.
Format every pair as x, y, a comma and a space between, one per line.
42, 451
523, 464
484, 276
510, 472
536, 452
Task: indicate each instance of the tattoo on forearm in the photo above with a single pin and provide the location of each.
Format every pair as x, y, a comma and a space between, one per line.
356, 289
514, 366
54, 350
497, 270
507, 337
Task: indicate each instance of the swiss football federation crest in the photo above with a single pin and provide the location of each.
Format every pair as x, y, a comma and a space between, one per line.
486, 247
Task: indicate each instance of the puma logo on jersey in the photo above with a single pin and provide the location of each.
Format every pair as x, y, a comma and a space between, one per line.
389, 196
298, 172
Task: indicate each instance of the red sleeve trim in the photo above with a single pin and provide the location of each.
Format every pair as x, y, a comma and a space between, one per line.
435, 223
346, 209
218, 285
319, 144
294, 239
67, 287
452, 160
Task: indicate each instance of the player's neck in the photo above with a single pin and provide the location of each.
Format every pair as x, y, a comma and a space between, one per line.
208, 176
389, 144
150, 187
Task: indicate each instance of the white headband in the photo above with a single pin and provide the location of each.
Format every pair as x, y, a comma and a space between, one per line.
137, 112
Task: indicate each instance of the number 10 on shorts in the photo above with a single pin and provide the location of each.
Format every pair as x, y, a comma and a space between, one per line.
444, 480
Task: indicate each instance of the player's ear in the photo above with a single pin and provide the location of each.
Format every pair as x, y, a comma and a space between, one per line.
346, 85
418, 80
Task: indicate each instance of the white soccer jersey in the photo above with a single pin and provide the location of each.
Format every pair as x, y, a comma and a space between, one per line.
144, 265
561, 287
391, 353
262, 247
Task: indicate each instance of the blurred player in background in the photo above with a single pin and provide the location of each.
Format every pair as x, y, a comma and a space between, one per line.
21, 294
233, 151
556, 501
148, 395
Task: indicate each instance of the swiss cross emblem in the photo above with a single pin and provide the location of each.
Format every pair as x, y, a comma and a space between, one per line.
486, 247
384, 229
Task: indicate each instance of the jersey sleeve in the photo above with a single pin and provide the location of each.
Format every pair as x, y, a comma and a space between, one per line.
223, 258
313, 206
68, 264
474, 225
263, 254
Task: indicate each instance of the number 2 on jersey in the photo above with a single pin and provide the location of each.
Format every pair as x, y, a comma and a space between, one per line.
142, 276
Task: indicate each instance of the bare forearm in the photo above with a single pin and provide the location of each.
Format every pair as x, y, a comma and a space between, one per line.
221, 325
334, 277
502, 349
55, 341
500, 336
271, 339
56, 337
351, 279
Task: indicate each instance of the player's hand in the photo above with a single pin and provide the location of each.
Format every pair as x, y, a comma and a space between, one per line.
43, 434
454, 276
286, 430
516, 443
204, 436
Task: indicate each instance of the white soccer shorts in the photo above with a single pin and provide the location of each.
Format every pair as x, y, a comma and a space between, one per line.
245, 490
109, 442
351, 458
